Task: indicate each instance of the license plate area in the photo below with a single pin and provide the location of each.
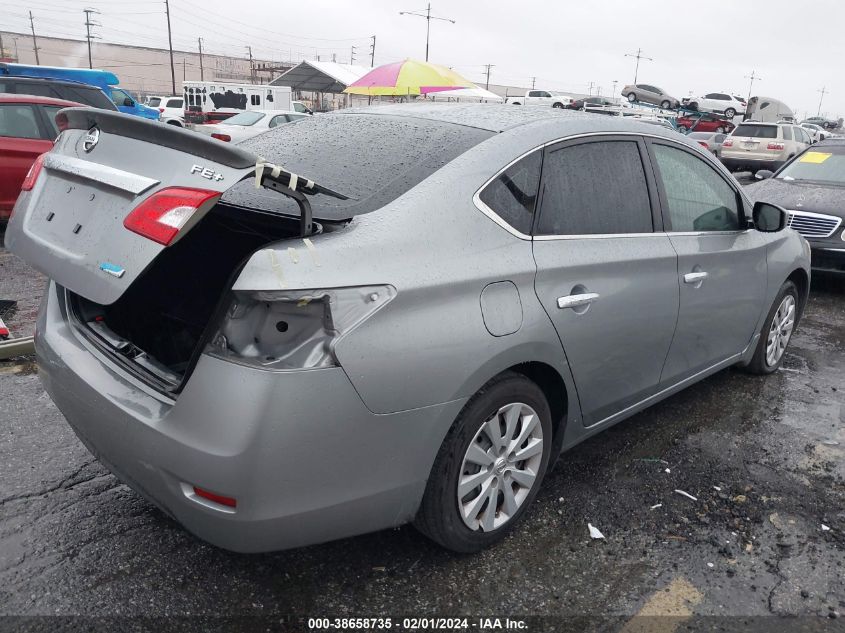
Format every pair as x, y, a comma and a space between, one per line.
74, 215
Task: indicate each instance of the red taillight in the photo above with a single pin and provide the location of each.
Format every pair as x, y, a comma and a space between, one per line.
161, 216
775, 146
727, 143
221, 137
161, 110
223, 501
32, 174
704, 145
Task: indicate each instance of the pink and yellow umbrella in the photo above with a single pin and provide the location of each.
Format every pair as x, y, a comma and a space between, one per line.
409, 77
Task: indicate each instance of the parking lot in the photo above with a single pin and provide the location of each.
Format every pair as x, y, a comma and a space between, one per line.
762, 456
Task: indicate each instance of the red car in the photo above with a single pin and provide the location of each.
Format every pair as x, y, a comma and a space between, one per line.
704, 124
27, 130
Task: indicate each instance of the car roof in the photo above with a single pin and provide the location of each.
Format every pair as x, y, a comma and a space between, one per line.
19, 98
48, 80
502, 118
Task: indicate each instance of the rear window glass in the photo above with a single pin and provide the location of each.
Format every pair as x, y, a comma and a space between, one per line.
174, 103
153, 102
756, 131
89, 96
372, 159
244, 118
18, 120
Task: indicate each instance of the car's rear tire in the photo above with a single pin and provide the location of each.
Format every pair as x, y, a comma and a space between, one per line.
665, 104
730, 113
479, 487
631, 97
777, 331
557, 104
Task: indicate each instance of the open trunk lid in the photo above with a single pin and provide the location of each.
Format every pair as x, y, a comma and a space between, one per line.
70, 226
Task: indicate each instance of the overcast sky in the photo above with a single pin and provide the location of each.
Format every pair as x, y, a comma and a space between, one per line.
697, 47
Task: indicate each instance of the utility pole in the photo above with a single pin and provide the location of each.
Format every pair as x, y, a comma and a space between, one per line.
373, 52
615, 81
352, 55
88, 24
184, 69
251, 66
590, 89
2, 50
34, 39
639, 55
202, 71
533, 82
753, 77
824, 92
428, 18
170, 46
487, 86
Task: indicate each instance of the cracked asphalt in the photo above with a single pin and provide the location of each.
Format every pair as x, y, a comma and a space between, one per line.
763, 457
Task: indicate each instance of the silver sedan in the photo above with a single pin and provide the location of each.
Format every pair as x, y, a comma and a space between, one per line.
387, 315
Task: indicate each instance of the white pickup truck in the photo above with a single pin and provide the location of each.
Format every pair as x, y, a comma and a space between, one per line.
541, 97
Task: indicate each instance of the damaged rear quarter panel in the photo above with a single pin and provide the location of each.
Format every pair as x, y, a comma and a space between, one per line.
429, 344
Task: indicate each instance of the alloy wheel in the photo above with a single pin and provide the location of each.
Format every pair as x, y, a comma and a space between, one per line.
500, 467
780, 330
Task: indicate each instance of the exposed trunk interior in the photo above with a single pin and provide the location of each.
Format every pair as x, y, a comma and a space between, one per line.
159, 325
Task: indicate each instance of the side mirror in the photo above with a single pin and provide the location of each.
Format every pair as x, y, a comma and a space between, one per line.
763, 174
768, 218
128, 102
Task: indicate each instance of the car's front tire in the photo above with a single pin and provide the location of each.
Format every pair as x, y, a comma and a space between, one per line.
777, 331
489, 467
631, 97
665, 104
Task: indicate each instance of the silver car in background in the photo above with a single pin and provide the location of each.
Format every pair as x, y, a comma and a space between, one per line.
398, 314
646, 93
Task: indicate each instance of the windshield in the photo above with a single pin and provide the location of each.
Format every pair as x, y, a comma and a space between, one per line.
756, 131
823, 164
372, 159
244, 118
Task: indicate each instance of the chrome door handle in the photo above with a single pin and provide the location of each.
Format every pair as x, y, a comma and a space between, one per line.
573, 301
694, 278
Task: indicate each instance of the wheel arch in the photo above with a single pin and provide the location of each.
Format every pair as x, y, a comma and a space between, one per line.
553, 386
801, 280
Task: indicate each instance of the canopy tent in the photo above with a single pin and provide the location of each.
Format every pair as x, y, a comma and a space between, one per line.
312, 76
467, 94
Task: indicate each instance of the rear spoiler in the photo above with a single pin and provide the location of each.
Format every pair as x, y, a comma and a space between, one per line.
266, 174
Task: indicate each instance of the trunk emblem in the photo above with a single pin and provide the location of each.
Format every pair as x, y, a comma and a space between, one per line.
206, 172
112, 269
91, 139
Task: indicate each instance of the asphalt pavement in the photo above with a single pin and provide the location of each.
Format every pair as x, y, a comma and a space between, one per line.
764, 534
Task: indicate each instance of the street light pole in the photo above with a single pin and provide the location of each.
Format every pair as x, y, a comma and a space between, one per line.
428, 18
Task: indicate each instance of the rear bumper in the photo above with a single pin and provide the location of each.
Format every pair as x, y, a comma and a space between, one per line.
749, 164
305, 459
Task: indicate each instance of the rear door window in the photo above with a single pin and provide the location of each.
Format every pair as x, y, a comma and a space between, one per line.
595, 188
787, 133
18, 120
174, 103
697, 197
513, 194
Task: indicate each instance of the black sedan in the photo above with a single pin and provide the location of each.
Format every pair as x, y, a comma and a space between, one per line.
812, 188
